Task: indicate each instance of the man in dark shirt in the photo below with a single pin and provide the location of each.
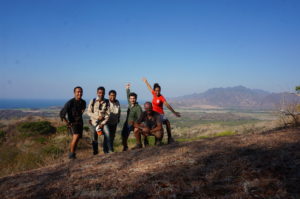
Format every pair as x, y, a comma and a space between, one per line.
148, 124
74, 108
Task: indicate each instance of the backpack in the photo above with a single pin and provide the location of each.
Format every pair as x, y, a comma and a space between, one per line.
100, 107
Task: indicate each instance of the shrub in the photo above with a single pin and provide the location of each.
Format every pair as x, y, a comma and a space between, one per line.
86, 128
53, 150
2, 136
225, 133
41, 140
36, 128
2, 125
289, 115
62, 129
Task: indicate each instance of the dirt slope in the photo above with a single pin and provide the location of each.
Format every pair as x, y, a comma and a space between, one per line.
243, 166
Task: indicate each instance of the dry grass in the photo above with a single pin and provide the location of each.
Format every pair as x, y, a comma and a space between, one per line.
241, 166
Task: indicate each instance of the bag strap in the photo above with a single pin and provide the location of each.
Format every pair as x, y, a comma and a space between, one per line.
93, 104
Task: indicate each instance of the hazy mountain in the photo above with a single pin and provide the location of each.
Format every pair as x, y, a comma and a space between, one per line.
235, 97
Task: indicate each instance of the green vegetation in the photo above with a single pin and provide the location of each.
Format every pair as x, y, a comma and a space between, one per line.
86, 128
190, 122
62, 129
41, 140
36, 128
225, 133
192, 139
297, 89
53, 150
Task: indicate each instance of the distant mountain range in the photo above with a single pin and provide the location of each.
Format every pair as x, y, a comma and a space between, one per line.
235, 97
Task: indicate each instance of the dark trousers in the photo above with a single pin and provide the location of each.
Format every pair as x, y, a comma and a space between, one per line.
125, 133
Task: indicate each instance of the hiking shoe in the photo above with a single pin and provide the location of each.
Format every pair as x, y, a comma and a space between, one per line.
72, 155
137, 146
158, 143
146, 142
125, 148
95, 148
170, 140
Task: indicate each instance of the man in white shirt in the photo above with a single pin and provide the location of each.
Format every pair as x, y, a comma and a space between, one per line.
99, 113
114, 117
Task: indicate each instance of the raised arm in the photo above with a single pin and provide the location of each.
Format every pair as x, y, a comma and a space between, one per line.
127, 87
177, 114
148, 85
119, 111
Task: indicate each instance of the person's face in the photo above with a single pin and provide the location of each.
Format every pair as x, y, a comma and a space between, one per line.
112, 97
157, 91
148, 108
132, 99
78, 93
100, 93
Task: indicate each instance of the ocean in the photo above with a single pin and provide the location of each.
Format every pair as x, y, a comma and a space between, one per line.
36, 103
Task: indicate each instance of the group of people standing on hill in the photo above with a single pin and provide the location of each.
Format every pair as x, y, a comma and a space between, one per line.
105, 115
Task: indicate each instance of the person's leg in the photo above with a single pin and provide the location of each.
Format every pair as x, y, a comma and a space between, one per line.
125, 135
73, 145
146, 141
77, 130
137, 134
94, 139
74, 142
106, 145
168, 126
158, 137
112, 130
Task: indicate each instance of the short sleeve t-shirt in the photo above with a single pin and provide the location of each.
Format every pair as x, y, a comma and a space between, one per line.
151, 122
157, 103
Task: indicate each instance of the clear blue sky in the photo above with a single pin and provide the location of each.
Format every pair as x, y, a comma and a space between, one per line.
48, 47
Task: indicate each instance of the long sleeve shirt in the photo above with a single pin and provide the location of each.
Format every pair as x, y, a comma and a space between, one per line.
134, 111
99, 108
115, 112
74, 110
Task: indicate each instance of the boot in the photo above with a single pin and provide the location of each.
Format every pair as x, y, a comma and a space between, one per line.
137, 146
170, 140
158, 143
72, 155
95, 148
146, 142
125, 148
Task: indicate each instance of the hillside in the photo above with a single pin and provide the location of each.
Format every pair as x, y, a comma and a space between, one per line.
235, 97
265, 165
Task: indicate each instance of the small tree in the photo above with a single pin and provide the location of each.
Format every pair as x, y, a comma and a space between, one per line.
289, 113
297, 89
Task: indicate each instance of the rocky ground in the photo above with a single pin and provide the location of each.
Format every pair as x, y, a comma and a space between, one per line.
265, 165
